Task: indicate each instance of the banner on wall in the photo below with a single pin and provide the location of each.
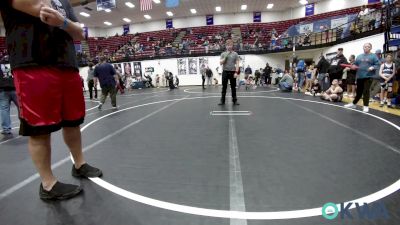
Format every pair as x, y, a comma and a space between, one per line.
193, 66
210, 20
126, 29
169, 23
257, 17
137, 69
339, 21
182, 67
373, 1
306, 27
309, 9
127, 69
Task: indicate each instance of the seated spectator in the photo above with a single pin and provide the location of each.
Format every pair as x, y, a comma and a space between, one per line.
286, 83
315, 89
250, 83
334, 93
215, 82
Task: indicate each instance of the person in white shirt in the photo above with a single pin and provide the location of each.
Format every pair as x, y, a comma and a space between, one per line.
386, 73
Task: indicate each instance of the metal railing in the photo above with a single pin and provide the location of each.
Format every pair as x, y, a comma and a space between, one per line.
361, 26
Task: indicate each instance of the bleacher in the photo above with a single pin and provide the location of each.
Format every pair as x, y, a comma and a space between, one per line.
2, 44
110, 45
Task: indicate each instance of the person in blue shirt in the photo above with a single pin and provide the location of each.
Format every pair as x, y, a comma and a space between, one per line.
366, 65
105, 74
301, 77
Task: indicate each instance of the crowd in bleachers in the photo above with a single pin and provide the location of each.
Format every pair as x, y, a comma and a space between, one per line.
210, 39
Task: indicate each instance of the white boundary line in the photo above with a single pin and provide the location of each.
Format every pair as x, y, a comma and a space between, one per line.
277, 215
149, 93
237, 92
230, 113
87, 110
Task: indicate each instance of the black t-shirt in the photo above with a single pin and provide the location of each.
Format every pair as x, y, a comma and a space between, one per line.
30, 42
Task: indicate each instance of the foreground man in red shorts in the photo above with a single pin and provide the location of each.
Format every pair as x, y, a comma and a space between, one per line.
40, 36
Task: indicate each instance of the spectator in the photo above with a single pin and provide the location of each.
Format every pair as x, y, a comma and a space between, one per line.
209, 75
258, 76
315, 89
171, 81
367, 64
375, 85
335, 69
215, 82
248, 71
310, 76
267, 74
286, 83
176, 81
300, 70
7, 95
323, 76
351, 78
203, 75
387, 72
334, 93
90, 82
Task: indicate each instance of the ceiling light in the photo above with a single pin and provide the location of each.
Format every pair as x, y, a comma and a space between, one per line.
170, 13
107, 23
270, 5
243, 7
193, 11
218, 8
126, 20
156, 1
129, 4
303, 2
84, 14
147, 16
107, 10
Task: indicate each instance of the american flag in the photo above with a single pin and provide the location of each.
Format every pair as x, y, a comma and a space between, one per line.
146, 5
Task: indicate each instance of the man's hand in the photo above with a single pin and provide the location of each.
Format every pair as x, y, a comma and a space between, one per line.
353, 67
235, 75
51, 16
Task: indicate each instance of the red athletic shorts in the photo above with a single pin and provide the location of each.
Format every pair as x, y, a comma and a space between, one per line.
49, 98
